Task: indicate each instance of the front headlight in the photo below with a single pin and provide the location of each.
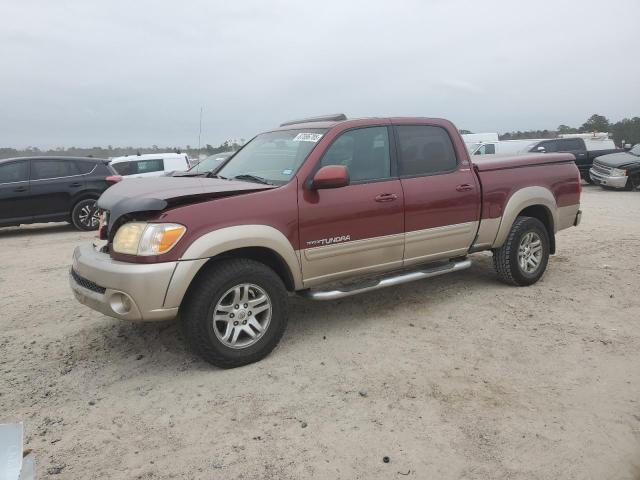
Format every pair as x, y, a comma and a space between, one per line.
141, 238
618, 172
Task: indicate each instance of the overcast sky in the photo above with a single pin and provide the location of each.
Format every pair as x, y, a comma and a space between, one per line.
136, 73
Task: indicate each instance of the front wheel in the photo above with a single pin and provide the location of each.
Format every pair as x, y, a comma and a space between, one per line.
84, 215
236, 313
523, 258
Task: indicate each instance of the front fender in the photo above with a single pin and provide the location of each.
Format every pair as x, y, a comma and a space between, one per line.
226, 239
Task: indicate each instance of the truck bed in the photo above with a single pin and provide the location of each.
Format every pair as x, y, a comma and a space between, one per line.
502, 162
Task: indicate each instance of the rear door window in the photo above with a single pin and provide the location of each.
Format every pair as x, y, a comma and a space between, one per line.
571, 144
425, 150
148, 166
54, 168
14, 172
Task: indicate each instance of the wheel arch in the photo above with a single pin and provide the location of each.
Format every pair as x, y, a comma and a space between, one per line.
536, 202
258, 242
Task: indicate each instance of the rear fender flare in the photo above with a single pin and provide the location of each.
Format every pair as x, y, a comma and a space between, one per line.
523, 198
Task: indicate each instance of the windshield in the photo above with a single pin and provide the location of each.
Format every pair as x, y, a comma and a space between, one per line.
209, 163
273, 156
635, 150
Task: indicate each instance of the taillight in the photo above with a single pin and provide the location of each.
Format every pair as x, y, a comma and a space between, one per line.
113, 179
580, 183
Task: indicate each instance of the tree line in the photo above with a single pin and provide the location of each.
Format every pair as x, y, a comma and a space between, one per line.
111, 151
626, 130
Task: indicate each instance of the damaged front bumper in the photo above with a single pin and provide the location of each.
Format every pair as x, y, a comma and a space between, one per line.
129, 291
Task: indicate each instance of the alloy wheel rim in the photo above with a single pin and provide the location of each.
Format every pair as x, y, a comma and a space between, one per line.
530, 253
242, 315
89, 216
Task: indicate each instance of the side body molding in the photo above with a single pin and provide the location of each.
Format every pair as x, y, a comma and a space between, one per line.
520, 200
223, 240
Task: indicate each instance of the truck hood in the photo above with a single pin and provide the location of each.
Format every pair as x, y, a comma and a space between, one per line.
157, 193
617, 159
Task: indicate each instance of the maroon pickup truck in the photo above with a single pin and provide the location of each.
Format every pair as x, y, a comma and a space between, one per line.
325, 208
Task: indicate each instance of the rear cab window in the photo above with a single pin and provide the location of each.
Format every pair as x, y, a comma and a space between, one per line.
571, 144
424, 150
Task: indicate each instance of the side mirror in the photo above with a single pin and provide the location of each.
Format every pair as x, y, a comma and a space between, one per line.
541, 149
331, 176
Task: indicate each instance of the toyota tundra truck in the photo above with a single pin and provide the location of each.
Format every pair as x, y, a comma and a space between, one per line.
324, 208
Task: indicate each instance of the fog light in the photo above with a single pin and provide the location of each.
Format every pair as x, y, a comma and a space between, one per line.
120, 303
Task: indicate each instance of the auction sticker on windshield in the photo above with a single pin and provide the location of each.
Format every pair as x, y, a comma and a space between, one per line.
307, 137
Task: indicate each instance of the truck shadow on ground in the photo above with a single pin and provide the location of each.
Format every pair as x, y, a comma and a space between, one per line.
163, 346
40, 229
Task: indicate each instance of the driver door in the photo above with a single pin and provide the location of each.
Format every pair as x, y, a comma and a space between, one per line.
357, 229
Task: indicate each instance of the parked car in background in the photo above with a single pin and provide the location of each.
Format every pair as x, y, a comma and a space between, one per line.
53, 189
324, 207
501, 147
470, 138
206, 165
585, 147
618, 170
150, 164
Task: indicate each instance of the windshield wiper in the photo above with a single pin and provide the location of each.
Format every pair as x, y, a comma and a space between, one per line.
252, 178
213, 175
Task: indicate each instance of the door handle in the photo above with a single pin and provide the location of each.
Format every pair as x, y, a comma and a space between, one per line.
386, 197
465, 187
20, 189
76, 184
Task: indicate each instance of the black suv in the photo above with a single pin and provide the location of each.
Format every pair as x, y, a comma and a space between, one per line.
53, 189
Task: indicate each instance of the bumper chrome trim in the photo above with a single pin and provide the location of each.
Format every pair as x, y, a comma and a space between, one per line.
607, 180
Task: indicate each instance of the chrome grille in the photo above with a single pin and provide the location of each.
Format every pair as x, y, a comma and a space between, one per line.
601, 169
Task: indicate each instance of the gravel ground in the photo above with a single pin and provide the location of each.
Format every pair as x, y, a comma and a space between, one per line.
455, 377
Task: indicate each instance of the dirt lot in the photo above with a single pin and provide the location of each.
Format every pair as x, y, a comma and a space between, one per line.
457, 377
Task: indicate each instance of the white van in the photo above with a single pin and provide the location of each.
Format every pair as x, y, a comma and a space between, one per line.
502, 147
150, 164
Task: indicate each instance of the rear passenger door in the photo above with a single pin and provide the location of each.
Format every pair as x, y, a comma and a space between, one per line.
54, 184
441, 196
14, 192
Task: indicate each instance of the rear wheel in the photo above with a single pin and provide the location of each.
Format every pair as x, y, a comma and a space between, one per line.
523, 258
84, 215
236, 313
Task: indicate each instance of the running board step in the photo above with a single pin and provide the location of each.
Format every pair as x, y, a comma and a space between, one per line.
389, 281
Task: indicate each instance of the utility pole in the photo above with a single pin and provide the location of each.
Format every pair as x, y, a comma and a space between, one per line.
200, 130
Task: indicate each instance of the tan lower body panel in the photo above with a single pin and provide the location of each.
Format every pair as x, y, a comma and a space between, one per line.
567, 216
438, 243
350, 259
330, 263
487, 232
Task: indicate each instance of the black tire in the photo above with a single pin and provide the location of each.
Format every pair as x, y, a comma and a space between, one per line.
586, 177
79, 218
505, 258
198, 309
